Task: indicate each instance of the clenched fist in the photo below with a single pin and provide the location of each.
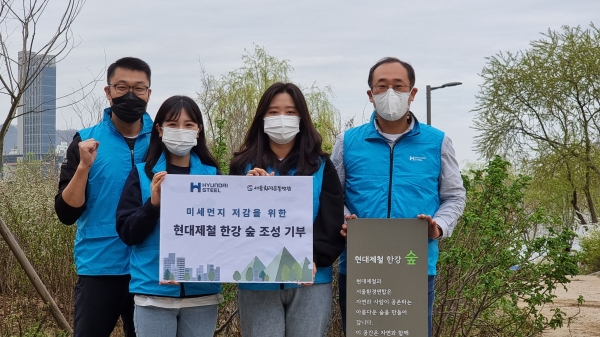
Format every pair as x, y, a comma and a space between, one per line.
88, 150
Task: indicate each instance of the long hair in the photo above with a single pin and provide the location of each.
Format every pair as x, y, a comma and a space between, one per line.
170, 110
306, 152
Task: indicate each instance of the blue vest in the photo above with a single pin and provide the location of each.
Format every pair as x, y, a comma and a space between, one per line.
401, 182
98, 248
144, 263
324, 274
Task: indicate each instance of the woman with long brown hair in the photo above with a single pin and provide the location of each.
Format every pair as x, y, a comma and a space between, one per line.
282, 140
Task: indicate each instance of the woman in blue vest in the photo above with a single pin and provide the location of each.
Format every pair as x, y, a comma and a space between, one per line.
177, 146
283, 141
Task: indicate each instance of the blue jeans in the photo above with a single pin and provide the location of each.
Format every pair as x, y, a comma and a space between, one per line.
294, 312
430, 299
185, 322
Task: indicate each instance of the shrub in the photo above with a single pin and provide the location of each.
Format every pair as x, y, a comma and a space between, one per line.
492, 279
27, 208
590, 252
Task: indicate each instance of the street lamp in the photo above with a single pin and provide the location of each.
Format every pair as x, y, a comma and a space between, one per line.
429, 89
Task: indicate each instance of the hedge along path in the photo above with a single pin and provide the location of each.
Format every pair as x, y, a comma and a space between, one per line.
33, 277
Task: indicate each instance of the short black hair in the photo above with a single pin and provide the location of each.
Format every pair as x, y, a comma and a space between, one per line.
129, 63
407, 66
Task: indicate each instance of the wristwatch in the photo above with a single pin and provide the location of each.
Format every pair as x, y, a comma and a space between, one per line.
441, 232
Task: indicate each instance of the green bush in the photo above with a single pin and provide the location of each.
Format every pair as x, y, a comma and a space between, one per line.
492, 278
590, 252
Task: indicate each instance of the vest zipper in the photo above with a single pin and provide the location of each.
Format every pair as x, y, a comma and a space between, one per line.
391, 177
131, 150
182, 290
391, 173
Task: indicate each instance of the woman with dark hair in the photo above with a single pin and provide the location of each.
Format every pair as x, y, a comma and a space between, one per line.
177, 146
283, 141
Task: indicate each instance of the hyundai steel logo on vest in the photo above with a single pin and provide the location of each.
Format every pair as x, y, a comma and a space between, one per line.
207, 187
415, 158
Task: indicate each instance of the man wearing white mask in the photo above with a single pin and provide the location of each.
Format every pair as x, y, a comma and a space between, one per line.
395, 167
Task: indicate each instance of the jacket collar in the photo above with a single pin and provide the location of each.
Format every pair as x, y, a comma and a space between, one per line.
161, 164
375, 134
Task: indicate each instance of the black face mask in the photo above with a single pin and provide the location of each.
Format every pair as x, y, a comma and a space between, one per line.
129, 108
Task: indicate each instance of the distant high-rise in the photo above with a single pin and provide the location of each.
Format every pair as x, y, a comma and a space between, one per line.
37, 111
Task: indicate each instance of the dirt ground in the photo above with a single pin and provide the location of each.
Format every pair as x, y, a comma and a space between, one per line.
587, 322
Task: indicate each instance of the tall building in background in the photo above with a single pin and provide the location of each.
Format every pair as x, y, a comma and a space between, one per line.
37, 113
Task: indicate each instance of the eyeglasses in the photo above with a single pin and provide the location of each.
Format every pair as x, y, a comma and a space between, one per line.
122, 89
397, 87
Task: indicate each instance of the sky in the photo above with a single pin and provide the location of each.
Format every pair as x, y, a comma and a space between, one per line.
327, 42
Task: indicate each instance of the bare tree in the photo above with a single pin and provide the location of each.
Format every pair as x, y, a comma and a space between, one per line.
89, 109
20, 24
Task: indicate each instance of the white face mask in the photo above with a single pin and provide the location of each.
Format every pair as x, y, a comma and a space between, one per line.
179, 141
391, 105
282, 129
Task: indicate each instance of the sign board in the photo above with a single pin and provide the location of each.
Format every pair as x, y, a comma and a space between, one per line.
236, 229
387, 277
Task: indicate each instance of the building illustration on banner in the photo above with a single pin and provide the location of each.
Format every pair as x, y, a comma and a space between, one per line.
175, 270
283, 268
236, 236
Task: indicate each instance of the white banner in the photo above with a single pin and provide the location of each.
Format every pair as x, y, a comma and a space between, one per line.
236, 229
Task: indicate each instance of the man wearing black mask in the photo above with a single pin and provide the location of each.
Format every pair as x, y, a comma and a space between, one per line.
92, 176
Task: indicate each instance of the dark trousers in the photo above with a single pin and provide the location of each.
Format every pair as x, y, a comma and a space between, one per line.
99, 302
430, 299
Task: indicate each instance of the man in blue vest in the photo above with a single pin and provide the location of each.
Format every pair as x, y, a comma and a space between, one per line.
395, 167
92, 176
